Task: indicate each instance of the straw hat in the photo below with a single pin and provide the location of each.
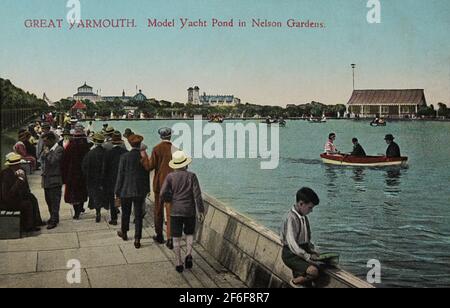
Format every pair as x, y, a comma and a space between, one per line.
179, 160
13, 159
117, 138
98, 139
109, 131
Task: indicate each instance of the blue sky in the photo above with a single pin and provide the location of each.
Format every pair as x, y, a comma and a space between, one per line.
409, 49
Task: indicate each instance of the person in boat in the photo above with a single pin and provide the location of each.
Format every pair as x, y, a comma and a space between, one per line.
393, 149
357, 148
330, 148
298, 251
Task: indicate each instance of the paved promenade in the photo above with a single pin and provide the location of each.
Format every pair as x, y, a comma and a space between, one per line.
40, 260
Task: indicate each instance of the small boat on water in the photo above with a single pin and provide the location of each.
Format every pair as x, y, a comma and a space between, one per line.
374, 124
363, 161
280, 122
317, 120
378, 122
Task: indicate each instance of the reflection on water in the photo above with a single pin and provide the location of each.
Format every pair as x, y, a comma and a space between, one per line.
331, 176
393, 180
358, 177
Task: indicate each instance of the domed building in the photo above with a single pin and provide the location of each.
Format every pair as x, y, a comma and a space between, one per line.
86, 92
140, 97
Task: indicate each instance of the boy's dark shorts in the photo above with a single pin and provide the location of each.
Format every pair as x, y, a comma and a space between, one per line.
294, 262
177, 224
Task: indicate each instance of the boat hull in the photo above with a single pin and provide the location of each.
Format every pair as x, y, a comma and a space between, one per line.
367, 161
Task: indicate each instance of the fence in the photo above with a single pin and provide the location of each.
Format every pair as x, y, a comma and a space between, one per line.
13, 118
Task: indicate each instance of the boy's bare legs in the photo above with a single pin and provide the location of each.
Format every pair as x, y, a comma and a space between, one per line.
177, 251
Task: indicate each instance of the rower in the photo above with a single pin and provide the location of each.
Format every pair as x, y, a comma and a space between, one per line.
357, 148
330, 148
393, 149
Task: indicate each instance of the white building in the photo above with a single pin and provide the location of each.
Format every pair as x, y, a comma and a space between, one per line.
85, 92
195, 98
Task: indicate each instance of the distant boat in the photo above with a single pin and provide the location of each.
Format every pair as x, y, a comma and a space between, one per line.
316, 120
363, 161
375, 124
280, 122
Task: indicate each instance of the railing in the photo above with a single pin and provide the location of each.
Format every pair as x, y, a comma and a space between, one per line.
13, 118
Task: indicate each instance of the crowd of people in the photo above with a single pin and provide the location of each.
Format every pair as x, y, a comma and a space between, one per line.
109, 171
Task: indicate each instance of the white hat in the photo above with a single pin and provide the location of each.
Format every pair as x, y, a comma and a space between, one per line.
13, 159
179, 160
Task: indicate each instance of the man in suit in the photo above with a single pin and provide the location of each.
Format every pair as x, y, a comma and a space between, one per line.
393, 149
51, 176
357, 148
93, 170
112, 160
132, 187
159, 162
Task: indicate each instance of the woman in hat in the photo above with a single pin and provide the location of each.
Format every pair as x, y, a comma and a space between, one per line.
16, 194
75, 190
21, 148
93, 170
182, 189
66, 137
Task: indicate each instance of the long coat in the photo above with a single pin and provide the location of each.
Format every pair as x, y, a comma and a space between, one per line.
112, 160
51, 168
73, 177
93, 170
159, 161
132, 180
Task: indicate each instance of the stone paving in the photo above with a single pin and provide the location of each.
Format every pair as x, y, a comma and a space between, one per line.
39, 260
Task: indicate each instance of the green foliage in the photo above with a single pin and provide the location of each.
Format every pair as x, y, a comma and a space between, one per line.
13, 97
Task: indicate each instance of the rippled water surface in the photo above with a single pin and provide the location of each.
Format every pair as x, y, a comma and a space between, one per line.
399, 216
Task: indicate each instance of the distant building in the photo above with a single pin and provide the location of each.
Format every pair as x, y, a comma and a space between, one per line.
386, 103
85, 92
195, 98
123, 98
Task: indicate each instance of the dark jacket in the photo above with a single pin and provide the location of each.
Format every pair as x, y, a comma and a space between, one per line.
73, 177
51, 167
132, 179
358, 150
93, 171
112, 160
182, 189
393, 150
13, 191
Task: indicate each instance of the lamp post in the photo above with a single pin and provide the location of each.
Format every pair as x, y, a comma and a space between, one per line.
353, 68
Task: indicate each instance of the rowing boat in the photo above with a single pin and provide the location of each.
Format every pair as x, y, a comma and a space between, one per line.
367, 161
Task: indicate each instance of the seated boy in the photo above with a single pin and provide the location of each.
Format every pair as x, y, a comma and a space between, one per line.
298, 251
